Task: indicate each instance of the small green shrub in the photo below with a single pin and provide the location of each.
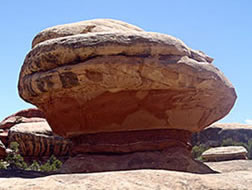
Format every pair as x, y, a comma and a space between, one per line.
15, 161
34, 166
51, 165
197, 151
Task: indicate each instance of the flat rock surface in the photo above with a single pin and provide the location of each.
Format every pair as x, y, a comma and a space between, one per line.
134, 180
231, 166
225, 153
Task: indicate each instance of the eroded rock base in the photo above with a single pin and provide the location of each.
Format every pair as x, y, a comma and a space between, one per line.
176, 159
130, 141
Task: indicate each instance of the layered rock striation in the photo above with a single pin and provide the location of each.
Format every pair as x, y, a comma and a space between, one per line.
111, 87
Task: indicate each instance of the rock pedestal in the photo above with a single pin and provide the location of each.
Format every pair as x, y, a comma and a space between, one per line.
113, 88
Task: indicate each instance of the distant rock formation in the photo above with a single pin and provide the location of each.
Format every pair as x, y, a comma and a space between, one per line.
121, 93
225, 153
30, 115
33, 134
217, 132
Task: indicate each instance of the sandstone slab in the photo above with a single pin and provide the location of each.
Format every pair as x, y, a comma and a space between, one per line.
225, 153
230, 166
134, 180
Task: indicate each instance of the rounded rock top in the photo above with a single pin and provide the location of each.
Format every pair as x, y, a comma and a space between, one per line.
105, 75
84, 27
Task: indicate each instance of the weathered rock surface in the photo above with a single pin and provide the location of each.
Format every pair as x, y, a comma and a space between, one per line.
37, 139
225, 153
109, 79
216, 133
131, 141
134, 180
84, 27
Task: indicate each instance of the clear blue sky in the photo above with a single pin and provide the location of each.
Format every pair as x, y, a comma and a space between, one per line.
220, 28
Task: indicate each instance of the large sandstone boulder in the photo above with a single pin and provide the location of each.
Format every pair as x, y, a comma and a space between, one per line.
111, 87
155, 78
225, 153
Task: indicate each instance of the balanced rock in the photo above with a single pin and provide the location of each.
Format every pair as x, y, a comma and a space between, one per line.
111, 87
225, 153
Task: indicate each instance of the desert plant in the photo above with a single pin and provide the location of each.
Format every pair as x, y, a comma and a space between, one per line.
34, 166
197, 150
14, 159
3, 165
51, 165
